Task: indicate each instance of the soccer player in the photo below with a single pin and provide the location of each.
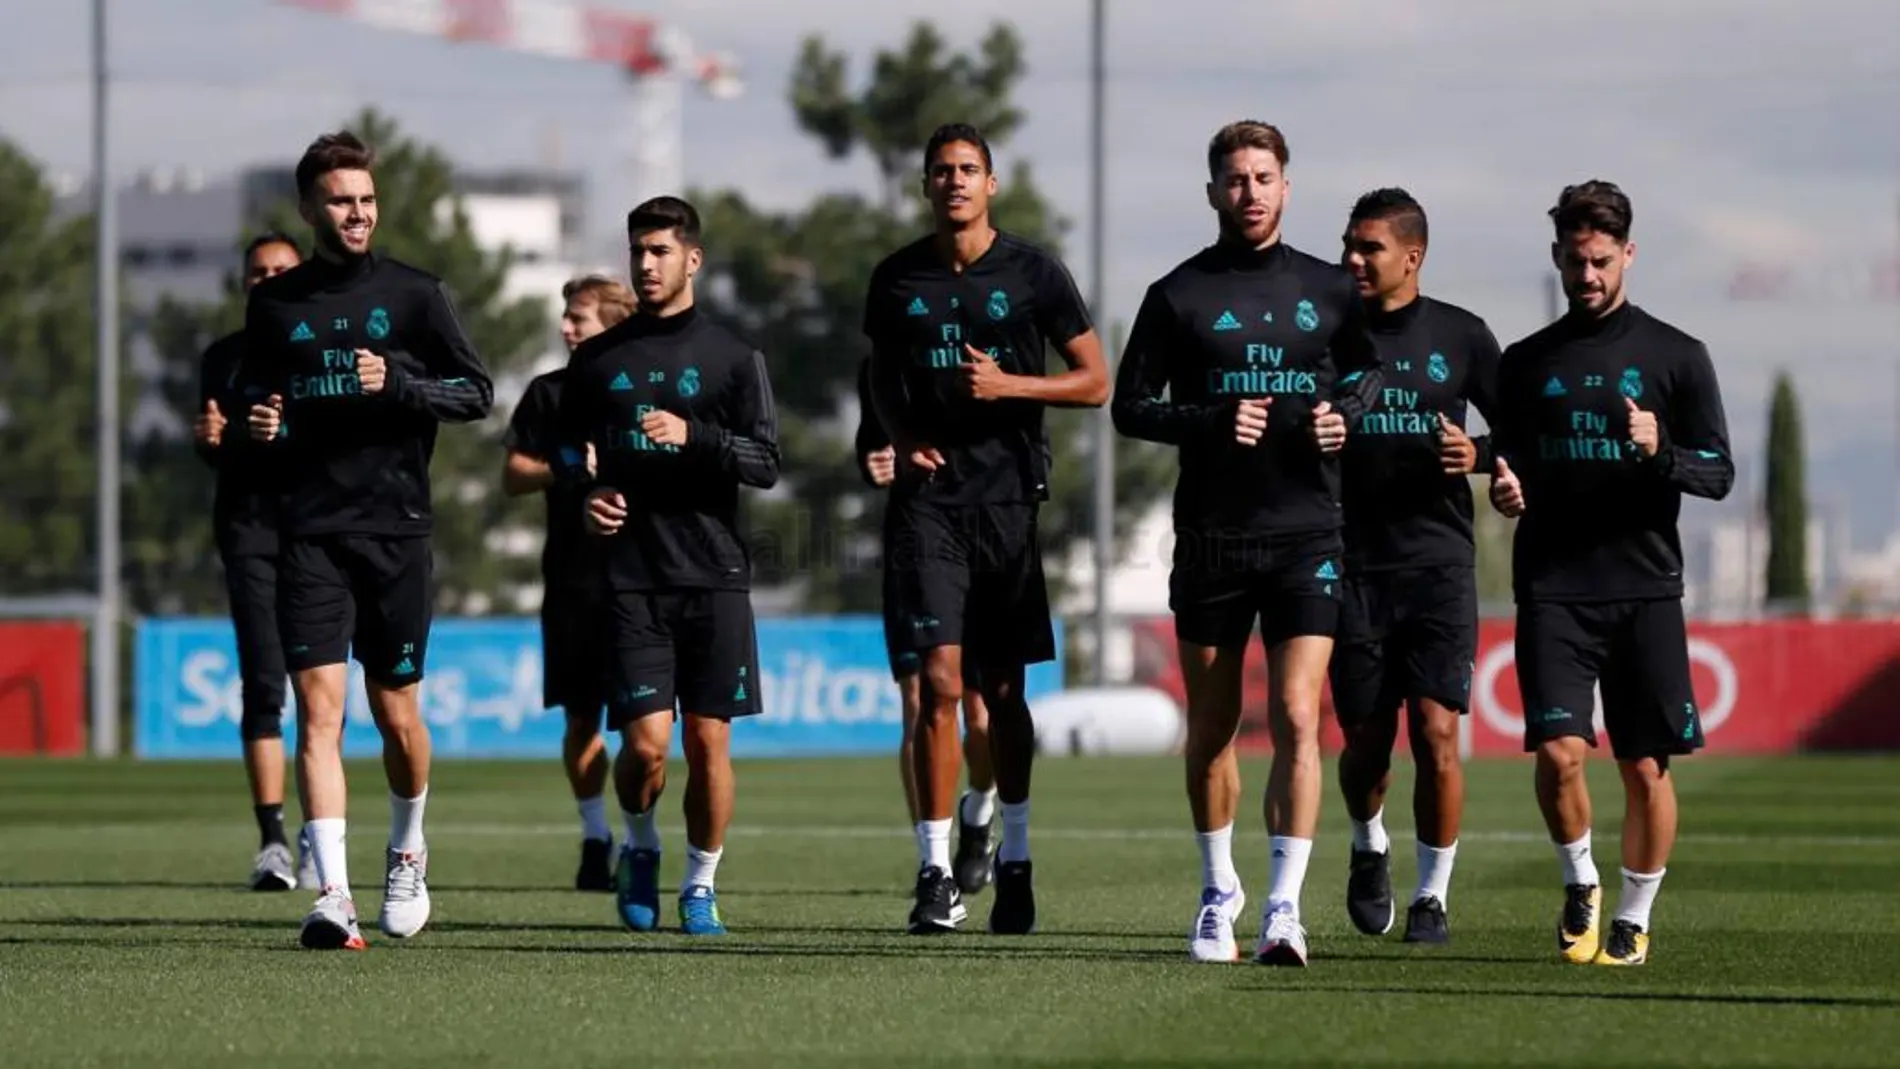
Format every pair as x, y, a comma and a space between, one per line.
244, 522
1608, 417
976, 811
958, 322
1263, 353
681, 413
1408, 624
364, 358
573, 606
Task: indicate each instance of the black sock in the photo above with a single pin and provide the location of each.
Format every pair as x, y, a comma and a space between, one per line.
270, 824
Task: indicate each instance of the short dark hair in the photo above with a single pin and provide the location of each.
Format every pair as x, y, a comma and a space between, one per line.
1395, 206
1594, 205
952, 133
1247, 133
267, 238
340, 151
665, 213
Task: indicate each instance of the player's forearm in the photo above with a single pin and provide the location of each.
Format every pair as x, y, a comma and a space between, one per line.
1356, 392
524, 474
751, 459
1698, 472
1075, 388
462, 399
1153, 420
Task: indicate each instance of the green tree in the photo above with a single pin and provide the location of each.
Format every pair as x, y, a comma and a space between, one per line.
795, 282
422, 223
47, 394
1787, 502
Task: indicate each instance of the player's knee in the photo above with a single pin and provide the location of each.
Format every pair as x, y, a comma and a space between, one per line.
1562, 758
583, 729
646, 750
261, 722
1435, 742
945, 692
1294, 726
1643, 777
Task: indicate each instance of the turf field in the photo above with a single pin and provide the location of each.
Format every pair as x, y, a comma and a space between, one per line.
125, 936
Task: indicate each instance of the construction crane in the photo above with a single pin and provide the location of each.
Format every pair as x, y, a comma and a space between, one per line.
659, 58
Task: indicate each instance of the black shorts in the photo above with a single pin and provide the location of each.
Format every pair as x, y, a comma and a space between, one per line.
251, 582
1637, 650
969, 576
694, 651
1289, 583
1402, 635
367, 595
575, 639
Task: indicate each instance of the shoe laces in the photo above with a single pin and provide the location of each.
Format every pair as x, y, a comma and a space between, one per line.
1281, 927
699, 906
1577, 911
404, 881
1623, 938
1212, 925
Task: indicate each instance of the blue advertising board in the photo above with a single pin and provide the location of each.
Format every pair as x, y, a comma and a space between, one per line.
825, 684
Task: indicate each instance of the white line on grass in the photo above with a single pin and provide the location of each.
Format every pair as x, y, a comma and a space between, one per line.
875, 831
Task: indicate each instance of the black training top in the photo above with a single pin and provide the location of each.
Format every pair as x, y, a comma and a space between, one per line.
1402, 510
682, 529
1600, 518
354, 463
1232, 323
570, 557
244, 508
919, 313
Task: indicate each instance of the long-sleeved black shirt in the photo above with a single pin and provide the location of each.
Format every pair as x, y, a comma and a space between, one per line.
350, 462
1232, 323
871, 435
244, 506
570, 557
1402, 510
1599, 518
1012, 303
682, 528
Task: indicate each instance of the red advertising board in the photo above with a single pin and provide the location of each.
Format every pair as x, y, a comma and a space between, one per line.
1774, 687
42, 689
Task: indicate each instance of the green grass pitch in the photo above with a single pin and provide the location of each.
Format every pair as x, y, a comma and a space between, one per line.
126, 937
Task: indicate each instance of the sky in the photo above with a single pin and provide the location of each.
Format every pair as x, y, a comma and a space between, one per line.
1744, 131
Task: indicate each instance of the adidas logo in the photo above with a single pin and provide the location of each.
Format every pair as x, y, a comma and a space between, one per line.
303, 333
621, 382
738, 695
1554, 388
918, 307
1327, 571
405, 667
1227, 322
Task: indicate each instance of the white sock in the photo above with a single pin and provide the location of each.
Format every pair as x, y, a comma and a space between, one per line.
1579, 866
979, 808
1217, 859
405, 822
594, 819
1015, 832
1370, 837
1434, 870
326, 844
642, 833
1639, 894
933, 844
701, 866
1288, 871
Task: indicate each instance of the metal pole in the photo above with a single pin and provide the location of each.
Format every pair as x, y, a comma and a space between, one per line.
1104, 427
105, 627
